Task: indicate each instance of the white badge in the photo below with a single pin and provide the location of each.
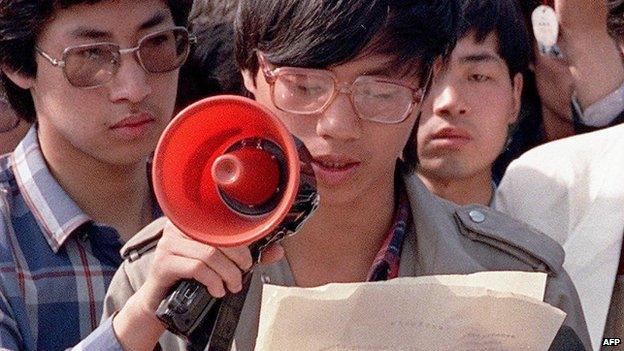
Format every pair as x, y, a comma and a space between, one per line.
546, 30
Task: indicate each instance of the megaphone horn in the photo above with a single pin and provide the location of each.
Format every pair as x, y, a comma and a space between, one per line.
226, 171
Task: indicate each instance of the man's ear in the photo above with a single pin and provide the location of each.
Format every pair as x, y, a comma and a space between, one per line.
250, 81
19, 79
518, 83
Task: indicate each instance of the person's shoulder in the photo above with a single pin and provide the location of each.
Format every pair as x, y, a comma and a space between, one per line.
583, 148
490, 237
9, 210
499, 242
137, 254
509, 237
548, 173
144, 242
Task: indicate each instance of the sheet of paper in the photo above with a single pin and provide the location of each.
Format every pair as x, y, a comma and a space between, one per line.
522, 283
483, 311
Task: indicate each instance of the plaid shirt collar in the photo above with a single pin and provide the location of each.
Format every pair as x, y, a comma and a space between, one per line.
56, 213
386, 263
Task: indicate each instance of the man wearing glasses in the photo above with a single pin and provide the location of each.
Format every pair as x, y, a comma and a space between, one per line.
347, 78
98, 81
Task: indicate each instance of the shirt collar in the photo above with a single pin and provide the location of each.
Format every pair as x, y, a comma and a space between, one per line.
56, 213
386, 263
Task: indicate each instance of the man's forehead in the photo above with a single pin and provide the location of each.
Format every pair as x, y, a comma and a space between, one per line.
95, 31
469, 49
107, 19
370, 63
378, 64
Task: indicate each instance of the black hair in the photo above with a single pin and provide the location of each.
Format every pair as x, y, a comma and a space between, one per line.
210, 68
325, 33
213, 11
504, 19
21, 22
615, 19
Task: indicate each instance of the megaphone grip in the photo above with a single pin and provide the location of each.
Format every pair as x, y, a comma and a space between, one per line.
189, 303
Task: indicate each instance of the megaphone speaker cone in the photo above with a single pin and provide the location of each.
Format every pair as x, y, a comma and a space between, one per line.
205, 166
250, 175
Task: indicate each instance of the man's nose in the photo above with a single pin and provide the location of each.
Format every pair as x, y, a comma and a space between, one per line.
448, 100
130, 83
339, 120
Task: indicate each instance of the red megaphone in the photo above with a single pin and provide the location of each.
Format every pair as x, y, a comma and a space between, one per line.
227, 172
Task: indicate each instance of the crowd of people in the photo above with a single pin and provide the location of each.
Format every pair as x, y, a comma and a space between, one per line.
442, 137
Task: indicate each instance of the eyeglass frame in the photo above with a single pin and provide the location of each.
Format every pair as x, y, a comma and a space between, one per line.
271, 76
133, 50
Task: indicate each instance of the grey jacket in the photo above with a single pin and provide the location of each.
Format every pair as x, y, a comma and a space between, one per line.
443, 239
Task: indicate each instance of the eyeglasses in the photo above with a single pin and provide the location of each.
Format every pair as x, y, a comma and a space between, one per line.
93, 65
310, 91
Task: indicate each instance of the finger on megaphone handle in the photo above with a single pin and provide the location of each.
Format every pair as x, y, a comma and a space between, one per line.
240, 255
272, 254
176, 268
224, 262
214, 259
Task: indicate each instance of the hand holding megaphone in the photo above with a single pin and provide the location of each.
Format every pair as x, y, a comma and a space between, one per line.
228, 173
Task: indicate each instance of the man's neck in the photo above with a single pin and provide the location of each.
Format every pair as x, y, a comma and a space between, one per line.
117, 196
556, 126
462, 191
340, 242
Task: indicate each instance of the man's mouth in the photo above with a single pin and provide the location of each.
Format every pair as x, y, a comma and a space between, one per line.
450, 138
133, 126
134, 120
334, 170
336, 165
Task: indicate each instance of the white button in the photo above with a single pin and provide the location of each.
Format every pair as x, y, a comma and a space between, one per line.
476, 216
265, 279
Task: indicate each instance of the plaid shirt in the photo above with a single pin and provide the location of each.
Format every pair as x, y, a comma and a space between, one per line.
55, 262
386, 263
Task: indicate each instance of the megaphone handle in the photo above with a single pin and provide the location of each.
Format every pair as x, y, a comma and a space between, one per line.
189, 303
217, 328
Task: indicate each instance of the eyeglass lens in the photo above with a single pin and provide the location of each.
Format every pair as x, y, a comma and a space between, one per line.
94, 65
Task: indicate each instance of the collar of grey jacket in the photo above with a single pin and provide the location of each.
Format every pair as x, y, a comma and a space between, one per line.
438, 223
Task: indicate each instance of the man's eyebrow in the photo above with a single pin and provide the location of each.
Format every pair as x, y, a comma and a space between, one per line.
158, 18
480, 57
385, 70
92, 33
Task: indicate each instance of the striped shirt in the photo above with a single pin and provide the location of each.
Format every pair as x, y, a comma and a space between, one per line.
55, 262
